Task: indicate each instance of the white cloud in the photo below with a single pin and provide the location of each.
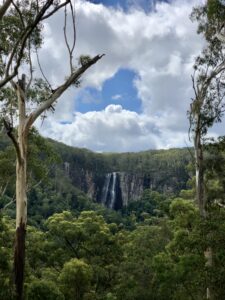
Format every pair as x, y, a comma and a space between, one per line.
117, 97
123, 130
159, 46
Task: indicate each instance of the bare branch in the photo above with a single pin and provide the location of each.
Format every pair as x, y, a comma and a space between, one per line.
3, 190
220, 68
193, 85
55, 10
66, 39
4, 8
74, 27
22, 40
59, 91
19, 13
219, 203
9, 131
10, 203
26, 35
70, 48
41, 70
31, 66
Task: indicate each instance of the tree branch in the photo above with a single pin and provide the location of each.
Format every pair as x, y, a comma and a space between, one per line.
4, 8
21, 42
20, 14
3, 189
59, 91
70, 49
9, 131
42, 72
23, 39
55, 10
8, 204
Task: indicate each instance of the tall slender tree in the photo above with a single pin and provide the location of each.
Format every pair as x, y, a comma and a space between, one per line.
21, 33
207, 106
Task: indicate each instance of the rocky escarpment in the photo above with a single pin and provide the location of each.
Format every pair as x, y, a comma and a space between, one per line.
119, 188
116, 189
116, 179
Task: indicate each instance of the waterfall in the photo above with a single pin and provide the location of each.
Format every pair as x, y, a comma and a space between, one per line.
67, 168
113, 191
105, 189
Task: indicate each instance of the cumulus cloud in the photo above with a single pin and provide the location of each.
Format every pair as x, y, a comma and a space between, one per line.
160, 46
122, 129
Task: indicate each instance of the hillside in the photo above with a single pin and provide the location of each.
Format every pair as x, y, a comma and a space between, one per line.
124, 176
61, 174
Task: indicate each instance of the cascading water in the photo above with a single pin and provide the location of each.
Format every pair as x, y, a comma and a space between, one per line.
105, 189
113, 190
111, 193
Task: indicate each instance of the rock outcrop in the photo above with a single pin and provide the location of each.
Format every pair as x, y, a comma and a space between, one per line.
116, 179
119, 188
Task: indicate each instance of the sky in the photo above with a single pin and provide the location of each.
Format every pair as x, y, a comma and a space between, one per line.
136, 98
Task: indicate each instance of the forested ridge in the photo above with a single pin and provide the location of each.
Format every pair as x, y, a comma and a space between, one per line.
61, 175
62, 234
152, 249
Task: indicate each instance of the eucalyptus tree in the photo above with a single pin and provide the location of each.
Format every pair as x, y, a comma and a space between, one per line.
24, 98
208, 80
19, 21
208, 104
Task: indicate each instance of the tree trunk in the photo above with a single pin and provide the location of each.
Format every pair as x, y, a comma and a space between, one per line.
21, 220
200, 191
199, 173
21, 193
209, 262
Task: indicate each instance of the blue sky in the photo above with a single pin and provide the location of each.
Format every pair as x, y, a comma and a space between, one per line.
137, 96
119, 89
146, 5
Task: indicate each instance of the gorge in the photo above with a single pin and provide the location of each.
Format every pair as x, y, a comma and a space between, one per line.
115, 179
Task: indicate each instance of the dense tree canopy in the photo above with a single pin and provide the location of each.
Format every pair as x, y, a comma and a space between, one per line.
160, 247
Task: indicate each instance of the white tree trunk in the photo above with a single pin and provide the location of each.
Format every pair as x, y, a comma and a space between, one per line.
21, 193
200, 191
199, 173
21, 221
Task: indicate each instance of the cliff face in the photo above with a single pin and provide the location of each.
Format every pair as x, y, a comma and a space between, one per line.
119, 188
116, 189
116, 179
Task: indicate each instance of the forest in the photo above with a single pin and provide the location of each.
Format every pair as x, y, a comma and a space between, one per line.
80, 225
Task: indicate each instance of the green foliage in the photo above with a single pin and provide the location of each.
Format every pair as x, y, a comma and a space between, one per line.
151, 203
12, 26
215, 172
215, 10
84, 59
43, 290
136, 274
180, 269
83, 257
208, 103
75, 279
6, 242
154, 248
